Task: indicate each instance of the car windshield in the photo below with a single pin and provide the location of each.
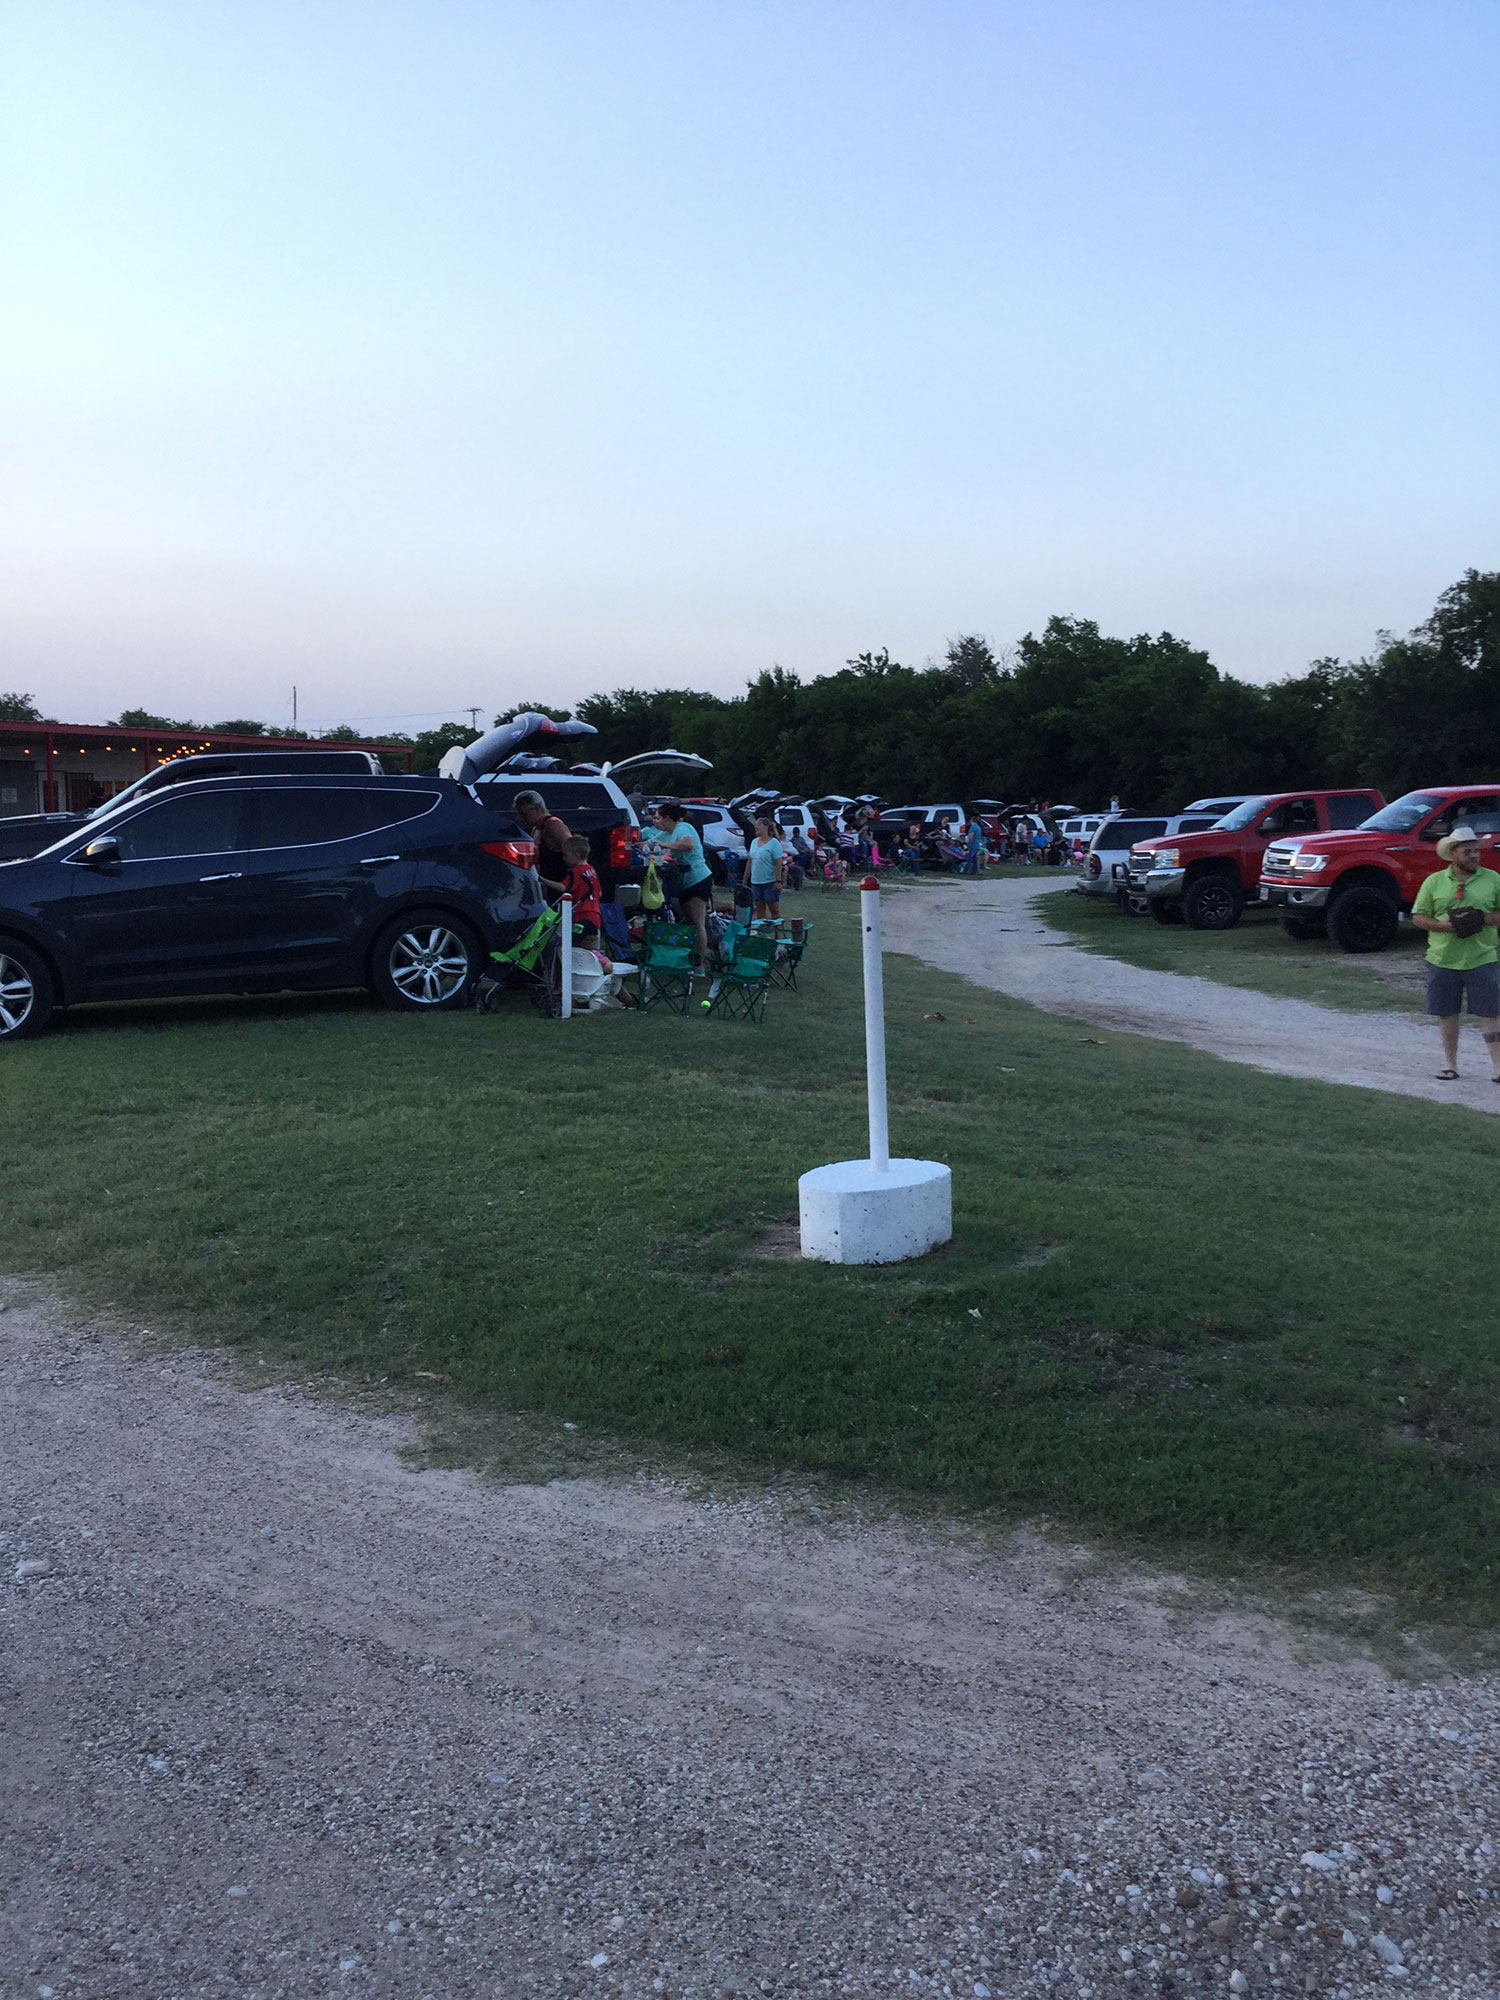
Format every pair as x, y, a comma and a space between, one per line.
1244, 815
1402, 814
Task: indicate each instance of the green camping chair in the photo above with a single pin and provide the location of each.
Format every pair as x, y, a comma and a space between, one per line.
784, 966
534, 957
666, 971
739, 992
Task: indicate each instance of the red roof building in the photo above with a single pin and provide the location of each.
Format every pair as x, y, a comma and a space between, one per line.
75, 766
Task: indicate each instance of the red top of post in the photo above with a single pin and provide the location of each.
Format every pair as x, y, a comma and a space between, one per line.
869, 883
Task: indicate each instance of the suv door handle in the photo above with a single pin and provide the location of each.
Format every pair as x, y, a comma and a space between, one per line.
233, 876
369, 860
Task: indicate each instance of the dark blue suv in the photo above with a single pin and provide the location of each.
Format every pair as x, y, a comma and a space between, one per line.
252, 885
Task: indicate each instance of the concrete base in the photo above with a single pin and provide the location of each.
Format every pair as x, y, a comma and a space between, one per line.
851, 1214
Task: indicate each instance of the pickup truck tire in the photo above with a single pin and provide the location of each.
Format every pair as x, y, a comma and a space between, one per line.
1166, 912
1213, 903
1363, 920
1304, 928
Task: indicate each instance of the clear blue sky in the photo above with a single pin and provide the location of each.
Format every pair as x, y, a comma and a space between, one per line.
434, 353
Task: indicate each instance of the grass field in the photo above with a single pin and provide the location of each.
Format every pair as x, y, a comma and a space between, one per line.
1255, 953
1189, 1306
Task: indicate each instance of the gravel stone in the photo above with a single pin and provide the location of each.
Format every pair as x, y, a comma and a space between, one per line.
721, 1747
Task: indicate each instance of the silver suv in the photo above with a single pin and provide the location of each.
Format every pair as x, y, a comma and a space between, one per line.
1106, 866
1195, 819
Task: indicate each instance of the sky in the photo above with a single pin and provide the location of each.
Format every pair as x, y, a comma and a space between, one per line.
435, 354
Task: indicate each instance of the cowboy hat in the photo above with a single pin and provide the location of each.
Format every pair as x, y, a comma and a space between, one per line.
1457, 838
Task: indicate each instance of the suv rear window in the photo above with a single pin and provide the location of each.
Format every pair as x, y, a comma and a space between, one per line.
1195, 825
308, 815
1125, 832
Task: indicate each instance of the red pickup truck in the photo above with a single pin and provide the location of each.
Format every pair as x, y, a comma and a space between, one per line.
1354, 886
1205, 879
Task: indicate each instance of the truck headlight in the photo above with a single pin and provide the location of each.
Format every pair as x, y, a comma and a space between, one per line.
1164, 857
1308, 864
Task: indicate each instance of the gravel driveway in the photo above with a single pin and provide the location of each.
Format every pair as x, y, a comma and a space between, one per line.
283, 1718
994, 933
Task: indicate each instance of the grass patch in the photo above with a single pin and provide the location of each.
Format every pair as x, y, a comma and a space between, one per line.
1199, 1309
1256, 953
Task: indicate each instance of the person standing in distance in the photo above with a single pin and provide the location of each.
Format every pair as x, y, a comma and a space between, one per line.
1459, 908
765, 869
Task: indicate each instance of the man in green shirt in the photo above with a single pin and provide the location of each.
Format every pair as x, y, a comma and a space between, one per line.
1461, 954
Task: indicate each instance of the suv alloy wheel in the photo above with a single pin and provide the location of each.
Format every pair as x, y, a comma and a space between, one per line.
425, 961
26, 994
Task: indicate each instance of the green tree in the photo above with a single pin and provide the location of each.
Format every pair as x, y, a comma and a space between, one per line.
427, 752
142, 718
17, 707
239, 728
531, 708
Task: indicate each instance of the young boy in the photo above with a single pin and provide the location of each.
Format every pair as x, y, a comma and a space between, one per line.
582, 884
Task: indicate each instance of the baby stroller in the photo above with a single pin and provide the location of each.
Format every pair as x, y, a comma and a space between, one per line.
533, 961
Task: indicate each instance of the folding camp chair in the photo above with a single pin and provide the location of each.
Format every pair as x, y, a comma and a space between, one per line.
666, 967
788, 958
533, 959
739, 992
616, 932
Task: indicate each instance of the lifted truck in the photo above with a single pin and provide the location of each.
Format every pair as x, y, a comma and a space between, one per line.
1205, 879
1354, 886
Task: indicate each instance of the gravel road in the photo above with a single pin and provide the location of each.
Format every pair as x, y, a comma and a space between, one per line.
284, 1718
995, 934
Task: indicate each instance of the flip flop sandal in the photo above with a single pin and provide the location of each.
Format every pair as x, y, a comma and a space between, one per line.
1451, 1076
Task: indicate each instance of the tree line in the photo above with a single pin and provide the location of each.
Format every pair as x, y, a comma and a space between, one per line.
1071, 713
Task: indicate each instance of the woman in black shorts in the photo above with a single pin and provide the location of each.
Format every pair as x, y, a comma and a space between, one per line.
696, 896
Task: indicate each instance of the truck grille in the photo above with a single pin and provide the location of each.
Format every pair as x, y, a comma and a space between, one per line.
1278, 859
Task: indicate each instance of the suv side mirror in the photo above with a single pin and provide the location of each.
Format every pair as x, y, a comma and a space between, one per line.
104, 853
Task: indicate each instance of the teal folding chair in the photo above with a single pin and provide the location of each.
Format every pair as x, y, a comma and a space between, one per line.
739, 992
784, 966
665, 977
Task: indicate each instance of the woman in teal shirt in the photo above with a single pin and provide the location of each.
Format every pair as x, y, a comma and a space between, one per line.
696, 896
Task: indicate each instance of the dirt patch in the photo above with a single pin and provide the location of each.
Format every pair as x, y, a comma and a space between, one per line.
285, 1716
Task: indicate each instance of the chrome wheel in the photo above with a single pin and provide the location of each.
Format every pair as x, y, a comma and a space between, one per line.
429, 967
17, 995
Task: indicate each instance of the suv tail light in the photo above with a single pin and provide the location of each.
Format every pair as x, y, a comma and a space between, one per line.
621, 846
1096, 866
521, 853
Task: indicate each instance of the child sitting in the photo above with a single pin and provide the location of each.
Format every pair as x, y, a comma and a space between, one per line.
582, 885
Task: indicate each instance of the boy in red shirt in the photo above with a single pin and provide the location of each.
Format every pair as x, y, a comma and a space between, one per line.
582, 885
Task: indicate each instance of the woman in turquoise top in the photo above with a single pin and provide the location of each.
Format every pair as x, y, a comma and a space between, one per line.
765, 869
680, 839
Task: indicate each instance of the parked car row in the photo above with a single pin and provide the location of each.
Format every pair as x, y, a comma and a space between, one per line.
1338, 863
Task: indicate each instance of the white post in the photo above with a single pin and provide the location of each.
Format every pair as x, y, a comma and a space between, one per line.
869, 917
567, 958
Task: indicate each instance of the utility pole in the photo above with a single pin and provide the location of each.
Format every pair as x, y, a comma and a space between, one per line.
294, 705
474, 719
